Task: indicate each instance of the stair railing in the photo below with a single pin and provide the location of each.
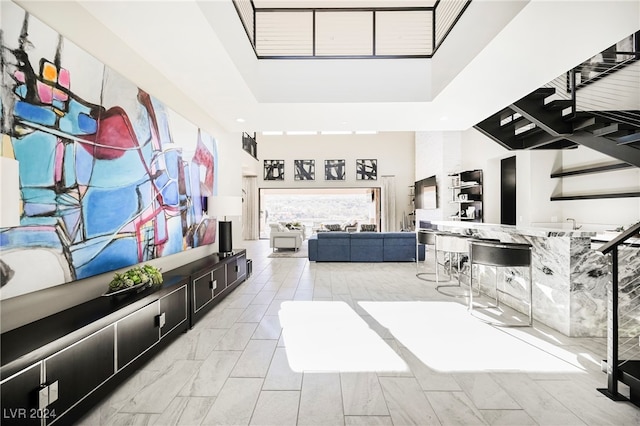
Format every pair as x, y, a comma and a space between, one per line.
613, 321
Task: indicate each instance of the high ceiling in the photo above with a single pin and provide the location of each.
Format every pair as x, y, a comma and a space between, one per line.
195, 56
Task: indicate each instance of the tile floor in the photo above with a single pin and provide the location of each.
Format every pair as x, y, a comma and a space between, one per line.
360, 344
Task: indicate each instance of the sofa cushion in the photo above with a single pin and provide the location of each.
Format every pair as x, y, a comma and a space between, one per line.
401, 247
367, 247
333, 227
334, 247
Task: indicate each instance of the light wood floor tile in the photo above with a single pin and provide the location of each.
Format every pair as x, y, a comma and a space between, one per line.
212, 374
280, 376
155, 396
507, 417
268, 328
537, 402
591, 406
255, 359
485, 393
276, 408
454, 408
406, 402
253, 313
195, 411
237, 337
362, 395
235, 403
321, 400
368, 421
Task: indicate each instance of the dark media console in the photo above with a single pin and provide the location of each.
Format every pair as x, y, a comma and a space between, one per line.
55, 369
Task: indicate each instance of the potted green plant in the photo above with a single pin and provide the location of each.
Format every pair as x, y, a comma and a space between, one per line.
138, 277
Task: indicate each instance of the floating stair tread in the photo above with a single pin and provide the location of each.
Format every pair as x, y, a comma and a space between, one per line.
623, 140
559, 104
542, 92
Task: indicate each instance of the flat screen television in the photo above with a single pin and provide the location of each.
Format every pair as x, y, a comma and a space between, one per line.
426, 194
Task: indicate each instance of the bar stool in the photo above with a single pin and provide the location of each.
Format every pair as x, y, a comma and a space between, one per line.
426, 237
451, 244
500, 255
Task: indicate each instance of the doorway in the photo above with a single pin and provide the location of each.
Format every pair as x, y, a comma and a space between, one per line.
315, 207
508, 191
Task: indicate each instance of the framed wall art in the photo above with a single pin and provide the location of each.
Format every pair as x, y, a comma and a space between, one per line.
367, 169
334, 170
273, 169
304, 169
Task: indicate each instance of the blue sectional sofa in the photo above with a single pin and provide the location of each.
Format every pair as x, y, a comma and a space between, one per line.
364, 247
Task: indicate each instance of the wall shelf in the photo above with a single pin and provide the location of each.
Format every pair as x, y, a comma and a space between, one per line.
596, 196
592, 169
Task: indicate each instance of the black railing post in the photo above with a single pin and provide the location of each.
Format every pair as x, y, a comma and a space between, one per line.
612, 333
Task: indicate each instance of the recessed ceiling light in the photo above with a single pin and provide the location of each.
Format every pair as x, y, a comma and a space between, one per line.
335, 132
366, 132
272, 133
301, 132
240, 120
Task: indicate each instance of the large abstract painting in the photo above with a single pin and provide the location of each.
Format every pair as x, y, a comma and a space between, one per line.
109, 176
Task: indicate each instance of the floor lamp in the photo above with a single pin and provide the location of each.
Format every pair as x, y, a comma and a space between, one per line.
221, 207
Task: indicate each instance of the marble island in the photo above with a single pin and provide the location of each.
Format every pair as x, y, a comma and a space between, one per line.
570, 277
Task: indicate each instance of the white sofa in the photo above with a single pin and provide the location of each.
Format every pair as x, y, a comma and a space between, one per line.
280, 237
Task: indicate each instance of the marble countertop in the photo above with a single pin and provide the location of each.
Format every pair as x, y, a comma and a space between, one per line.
521, 230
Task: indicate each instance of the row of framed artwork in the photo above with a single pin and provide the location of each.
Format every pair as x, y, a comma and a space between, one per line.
366, 169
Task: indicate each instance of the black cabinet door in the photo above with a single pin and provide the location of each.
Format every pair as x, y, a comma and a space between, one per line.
202, 290
137, 333
241, 267
174, 308
232, 272
20, 398
219, 280
79, 369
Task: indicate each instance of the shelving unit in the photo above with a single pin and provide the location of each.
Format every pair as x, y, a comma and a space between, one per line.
466, 193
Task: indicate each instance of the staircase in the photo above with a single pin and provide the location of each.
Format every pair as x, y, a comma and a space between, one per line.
538, 121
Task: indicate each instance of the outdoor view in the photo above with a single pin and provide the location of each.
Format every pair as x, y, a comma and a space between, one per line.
313, 209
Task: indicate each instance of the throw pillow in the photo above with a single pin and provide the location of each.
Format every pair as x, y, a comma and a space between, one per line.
333, 227
367, 227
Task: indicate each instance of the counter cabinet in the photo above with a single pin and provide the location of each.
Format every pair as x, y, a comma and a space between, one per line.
55, 369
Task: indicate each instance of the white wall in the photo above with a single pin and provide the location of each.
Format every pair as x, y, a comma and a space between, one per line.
394, 151
439, 154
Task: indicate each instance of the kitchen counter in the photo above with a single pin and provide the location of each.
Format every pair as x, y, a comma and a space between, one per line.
570, 277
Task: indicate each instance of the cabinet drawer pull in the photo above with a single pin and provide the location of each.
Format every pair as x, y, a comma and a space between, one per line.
43, 397
48, 394
237, 268
213, 284
161, 320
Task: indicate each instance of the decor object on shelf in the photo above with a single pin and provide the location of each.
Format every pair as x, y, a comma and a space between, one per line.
223, 206
334, 169
368, 227
273, 169
139, 277
367, 169
304, 169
